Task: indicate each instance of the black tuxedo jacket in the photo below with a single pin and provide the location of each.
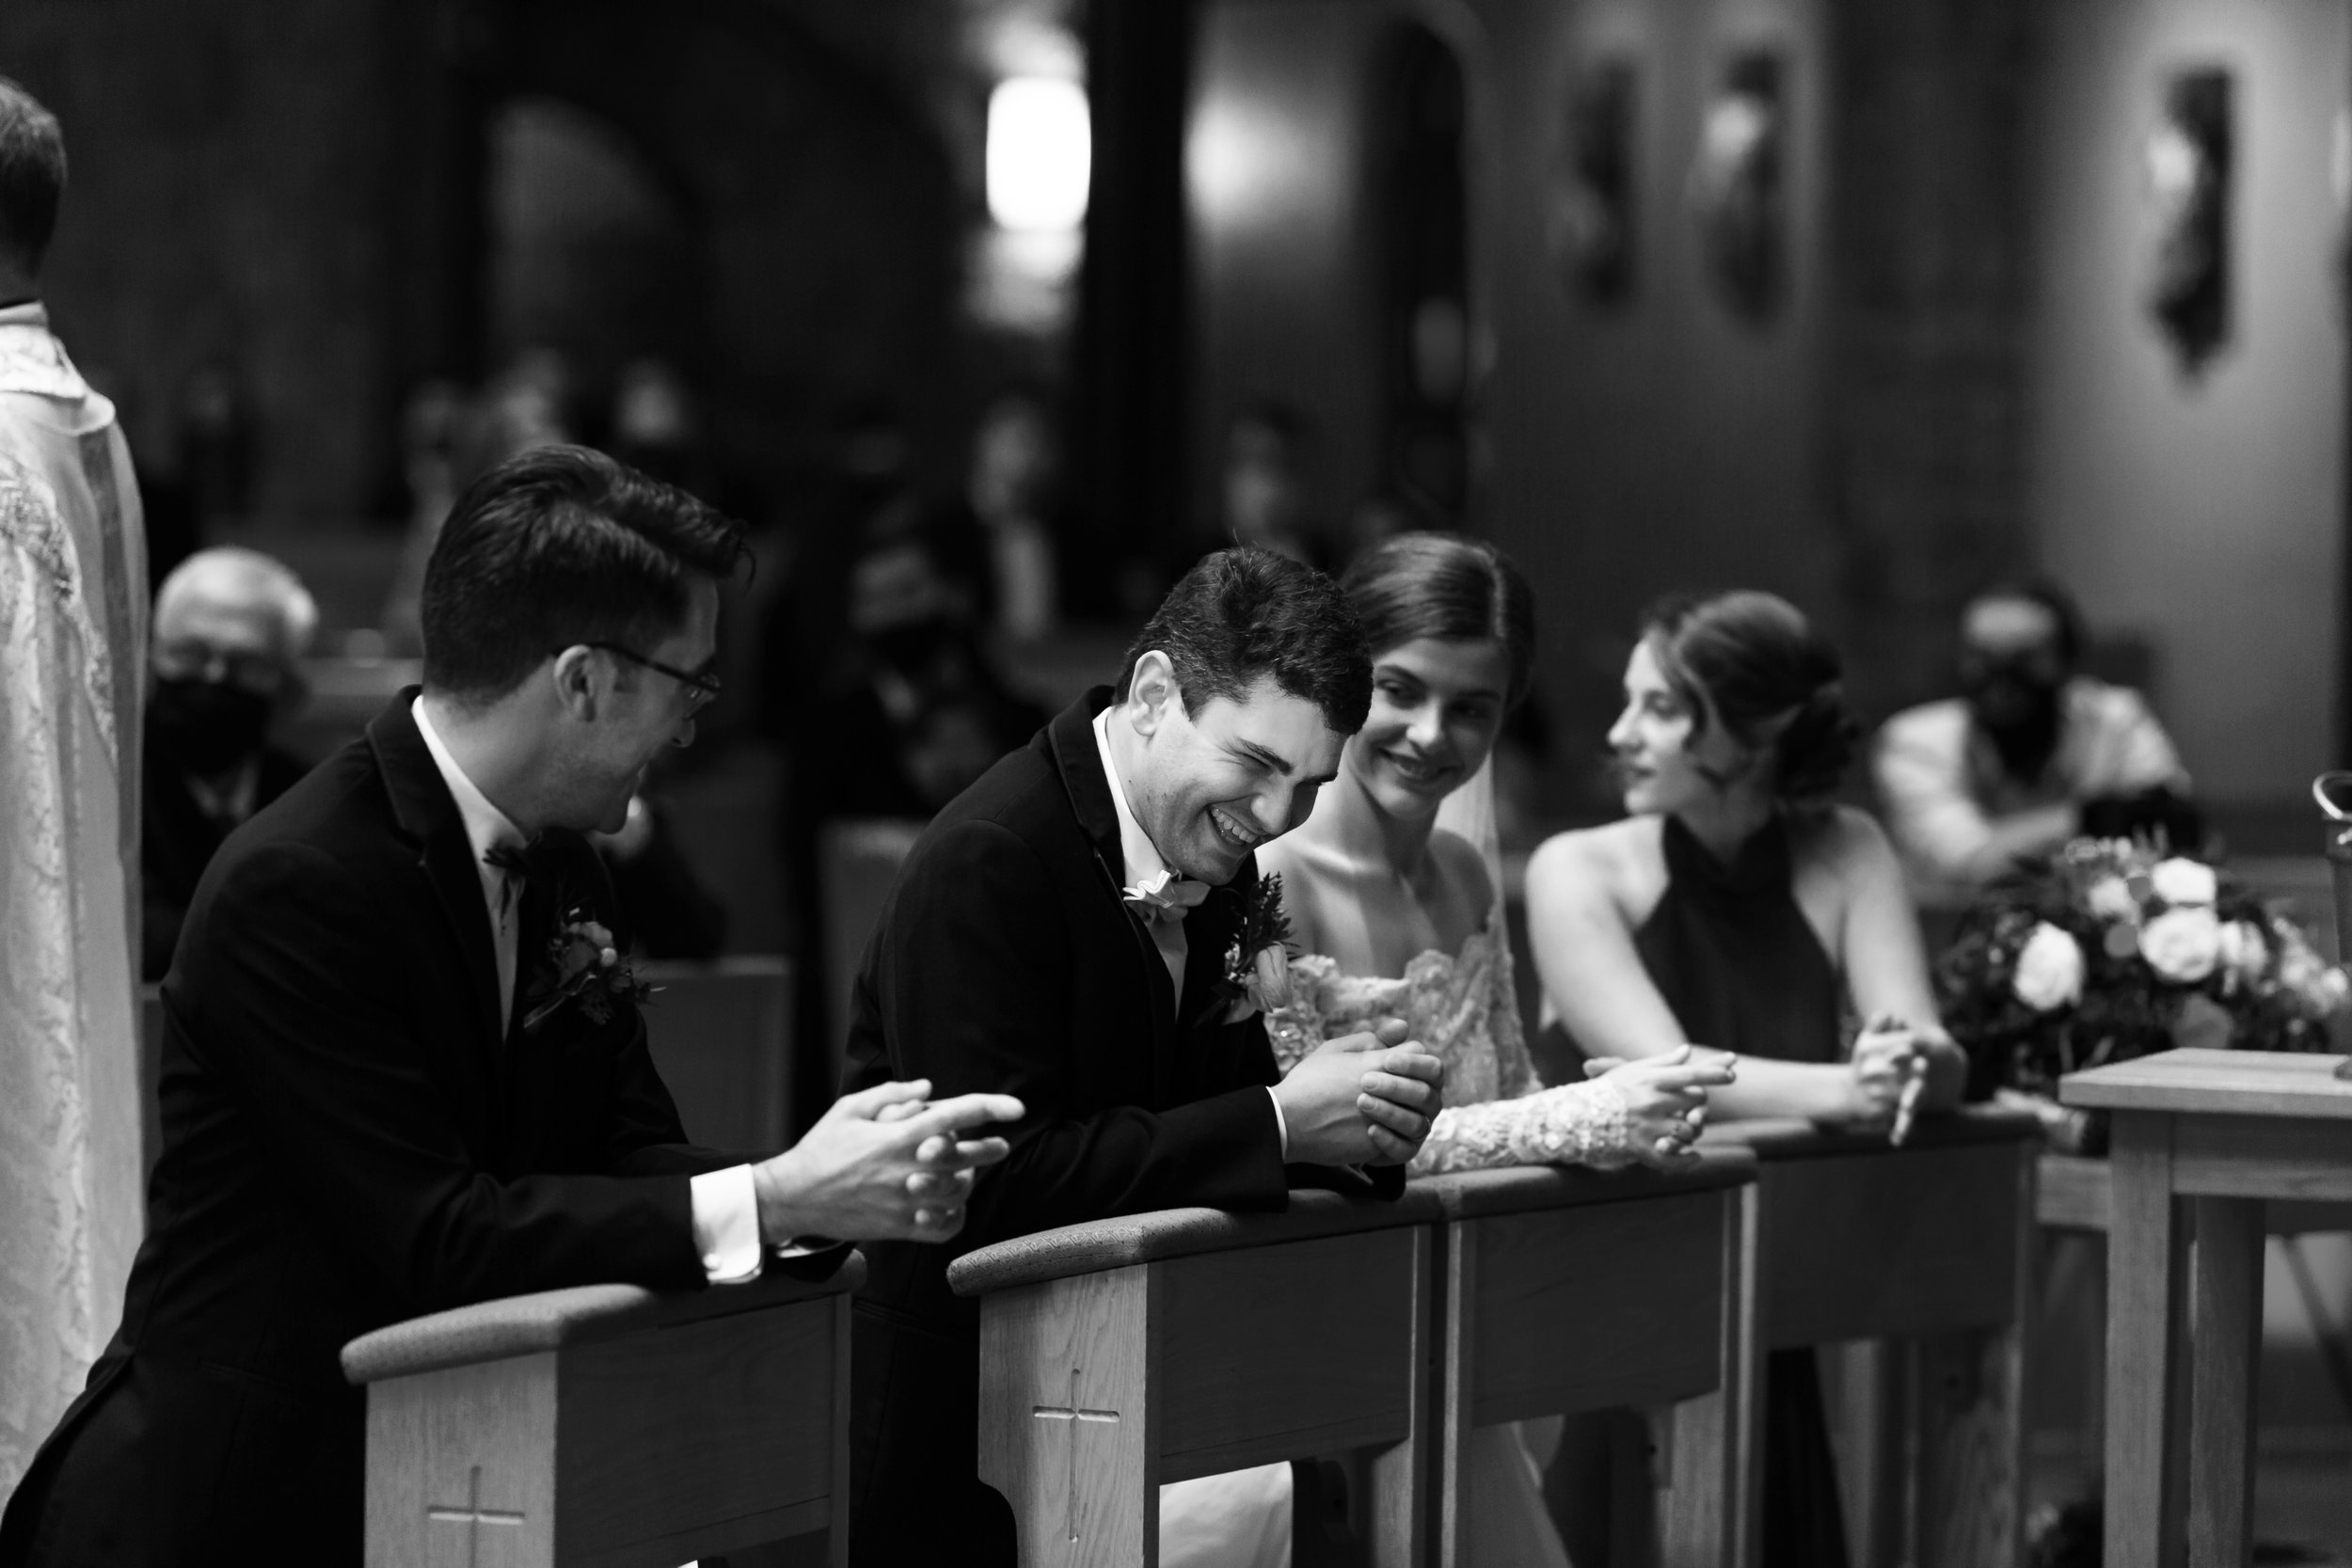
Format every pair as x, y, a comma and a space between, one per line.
1006, 961
352, 1135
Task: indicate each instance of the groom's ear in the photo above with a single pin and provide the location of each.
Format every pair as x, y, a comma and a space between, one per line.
1149, 691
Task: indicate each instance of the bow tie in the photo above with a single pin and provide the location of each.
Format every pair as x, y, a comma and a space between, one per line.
513, 859
1165, 897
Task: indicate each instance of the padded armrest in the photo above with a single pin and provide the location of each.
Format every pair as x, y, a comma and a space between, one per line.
1802, 1140
1517, 1188
583, 1314
1163, 1233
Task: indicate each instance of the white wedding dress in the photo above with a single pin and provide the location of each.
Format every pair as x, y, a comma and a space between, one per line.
1463, 1007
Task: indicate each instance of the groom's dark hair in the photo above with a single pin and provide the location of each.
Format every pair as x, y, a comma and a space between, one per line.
1244, 614
561, 545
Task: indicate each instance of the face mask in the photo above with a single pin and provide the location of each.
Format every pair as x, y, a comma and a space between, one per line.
2019, 711
911, 648
209, 727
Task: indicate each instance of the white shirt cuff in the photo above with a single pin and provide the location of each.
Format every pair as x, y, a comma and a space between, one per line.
1282, 1127
726, 1225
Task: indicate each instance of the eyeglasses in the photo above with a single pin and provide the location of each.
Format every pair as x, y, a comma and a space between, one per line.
701, 690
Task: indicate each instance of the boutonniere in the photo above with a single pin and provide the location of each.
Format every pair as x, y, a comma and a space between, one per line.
1258, 961
582, 965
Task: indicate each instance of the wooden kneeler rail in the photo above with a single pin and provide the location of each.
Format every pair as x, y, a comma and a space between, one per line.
1927, 1248
1572, 1291
608, 1427
1124, 1353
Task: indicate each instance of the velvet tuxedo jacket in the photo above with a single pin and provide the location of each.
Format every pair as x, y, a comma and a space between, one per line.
1007, 960
352, 1135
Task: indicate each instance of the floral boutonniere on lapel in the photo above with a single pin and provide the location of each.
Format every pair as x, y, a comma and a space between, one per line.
1257, 974
583, 964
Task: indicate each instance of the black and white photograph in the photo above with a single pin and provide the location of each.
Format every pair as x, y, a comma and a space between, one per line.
1175, 783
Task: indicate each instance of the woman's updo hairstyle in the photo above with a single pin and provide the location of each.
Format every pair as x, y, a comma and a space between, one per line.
1450, 588
1754, 662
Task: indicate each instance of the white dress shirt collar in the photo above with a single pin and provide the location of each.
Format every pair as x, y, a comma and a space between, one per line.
487, 827
1141, 857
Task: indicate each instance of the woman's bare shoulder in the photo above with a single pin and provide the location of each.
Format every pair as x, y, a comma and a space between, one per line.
1845, 845
1839, 834
1608, 862
1462, 865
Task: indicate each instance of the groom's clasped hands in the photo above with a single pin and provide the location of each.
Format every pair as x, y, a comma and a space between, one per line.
1361, 1100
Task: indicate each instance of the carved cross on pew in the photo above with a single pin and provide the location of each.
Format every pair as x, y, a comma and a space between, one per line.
1074, 1414
473, 1516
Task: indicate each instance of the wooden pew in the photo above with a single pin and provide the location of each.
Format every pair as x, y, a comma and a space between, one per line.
2076, 1203
609, 1427
2078, 1193
1126, 1353
1928, 1249
1571, 1291
2204, 1140
721, 1039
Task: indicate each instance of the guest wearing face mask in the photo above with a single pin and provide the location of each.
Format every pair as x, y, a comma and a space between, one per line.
230, 629
919, 714
2030, 755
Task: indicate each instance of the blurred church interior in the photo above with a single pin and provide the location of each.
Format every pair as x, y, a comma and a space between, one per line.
1866, 303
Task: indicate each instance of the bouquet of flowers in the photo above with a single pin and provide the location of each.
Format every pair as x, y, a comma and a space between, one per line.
2112, 949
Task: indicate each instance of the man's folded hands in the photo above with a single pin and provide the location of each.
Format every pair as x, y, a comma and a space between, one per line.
885, 1163
1362, 1100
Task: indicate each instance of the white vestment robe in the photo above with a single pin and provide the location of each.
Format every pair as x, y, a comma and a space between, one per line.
73, 666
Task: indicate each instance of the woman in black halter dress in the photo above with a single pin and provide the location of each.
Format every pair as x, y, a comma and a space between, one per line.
1737, 908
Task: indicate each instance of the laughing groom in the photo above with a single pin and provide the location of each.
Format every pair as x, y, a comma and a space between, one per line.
1069, 931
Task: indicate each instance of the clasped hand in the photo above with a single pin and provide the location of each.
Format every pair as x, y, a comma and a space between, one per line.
884, 1165
1892, 1059
1361, 1100
1666, 1098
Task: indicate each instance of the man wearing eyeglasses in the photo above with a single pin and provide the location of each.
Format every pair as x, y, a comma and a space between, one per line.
224, 665
381, 1096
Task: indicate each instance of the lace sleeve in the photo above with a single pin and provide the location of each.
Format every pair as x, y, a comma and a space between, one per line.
1575, 1124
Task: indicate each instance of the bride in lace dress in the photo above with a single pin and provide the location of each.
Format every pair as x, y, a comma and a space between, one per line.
1394, 913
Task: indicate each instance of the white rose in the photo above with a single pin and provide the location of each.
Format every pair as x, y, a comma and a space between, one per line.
2049, 970
2111, 899
2182, 944
2179, 880
2244, 953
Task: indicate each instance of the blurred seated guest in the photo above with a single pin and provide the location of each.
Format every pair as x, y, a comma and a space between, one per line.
666, 911
1263, 490
1737, 906
231, 626
1016, 466
922, 689
920, 715
2031, 754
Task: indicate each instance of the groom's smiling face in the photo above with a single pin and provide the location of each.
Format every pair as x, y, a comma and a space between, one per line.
1210, 787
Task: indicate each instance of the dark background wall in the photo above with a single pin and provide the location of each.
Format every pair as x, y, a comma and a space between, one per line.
1962, 377
299, 195
2203, 509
